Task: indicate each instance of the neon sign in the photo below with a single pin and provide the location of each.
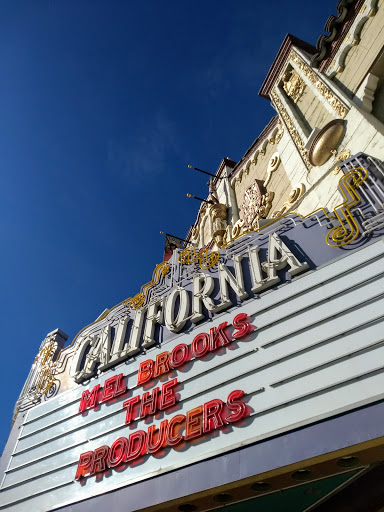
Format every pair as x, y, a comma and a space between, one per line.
196, 422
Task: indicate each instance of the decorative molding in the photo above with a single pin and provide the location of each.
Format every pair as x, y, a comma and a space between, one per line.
41, 378
291, 128
293, 85
273, 165
195, 231
336, 60
277, 133
339, 31
341, 157
138, 300
366, 93
346, 232
261, 151
293, 197
340, 109
271, 134
274, 73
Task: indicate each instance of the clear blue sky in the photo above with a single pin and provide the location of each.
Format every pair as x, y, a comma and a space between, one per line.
102, 106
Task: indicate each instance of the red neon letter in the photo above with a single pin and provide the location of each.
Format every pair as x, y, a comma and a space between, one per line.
109, 388
128, 404
145, 372
149, 402
153, 447
136, 445
242, 325
239, 409
162, 364
117, 452
89, 399
113, 387
179, 355
193, 426
171, 438
212, 415
202, 338
218, 337
84, 465
121, 386
99, 460
167, 398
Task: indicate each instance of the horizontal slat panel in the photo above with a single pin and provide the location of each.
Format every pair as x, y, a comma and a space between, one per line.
270, 317
357, 260
318, 351
263, 375
260, 427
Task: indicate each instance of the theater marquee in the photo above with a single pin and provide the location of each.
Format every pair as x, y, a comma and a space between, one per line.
221, 349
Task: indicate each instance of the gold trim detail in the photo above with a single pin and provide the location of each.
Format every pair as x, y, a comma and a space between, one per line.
340, 109
138, 300
293, 85
144, 288
206, 260
294, 195
343, 155
348, 230
291, 128
47, 370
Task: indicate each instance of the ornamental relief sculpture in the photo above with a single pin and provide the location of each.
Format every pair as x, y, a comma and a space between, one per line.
218, 213
293, 85
256, 205
339, 108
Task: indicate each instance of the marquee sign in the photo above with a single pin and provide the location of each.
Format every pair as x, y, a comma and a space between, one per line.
98, 352
220, 350
196, 422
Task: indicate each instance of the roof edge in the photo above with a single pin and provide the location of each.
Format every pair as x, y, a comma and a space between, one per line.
281, 57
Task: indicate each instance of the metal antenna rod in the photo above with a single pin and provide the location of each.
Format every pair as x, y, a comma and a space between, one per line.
205, 172
200, 199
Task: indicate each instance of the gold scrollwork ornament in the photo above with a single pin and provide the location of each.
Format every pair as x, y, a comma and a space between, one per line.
348, 230
206, 260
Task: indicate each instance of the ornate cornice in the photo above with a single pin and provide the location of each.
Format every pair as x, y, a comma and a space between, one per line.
280, 60
340, 109
337, 26
349, 37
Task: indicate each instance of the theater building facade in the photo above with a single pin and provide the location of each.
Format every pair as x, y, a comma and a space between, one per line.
248, 372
